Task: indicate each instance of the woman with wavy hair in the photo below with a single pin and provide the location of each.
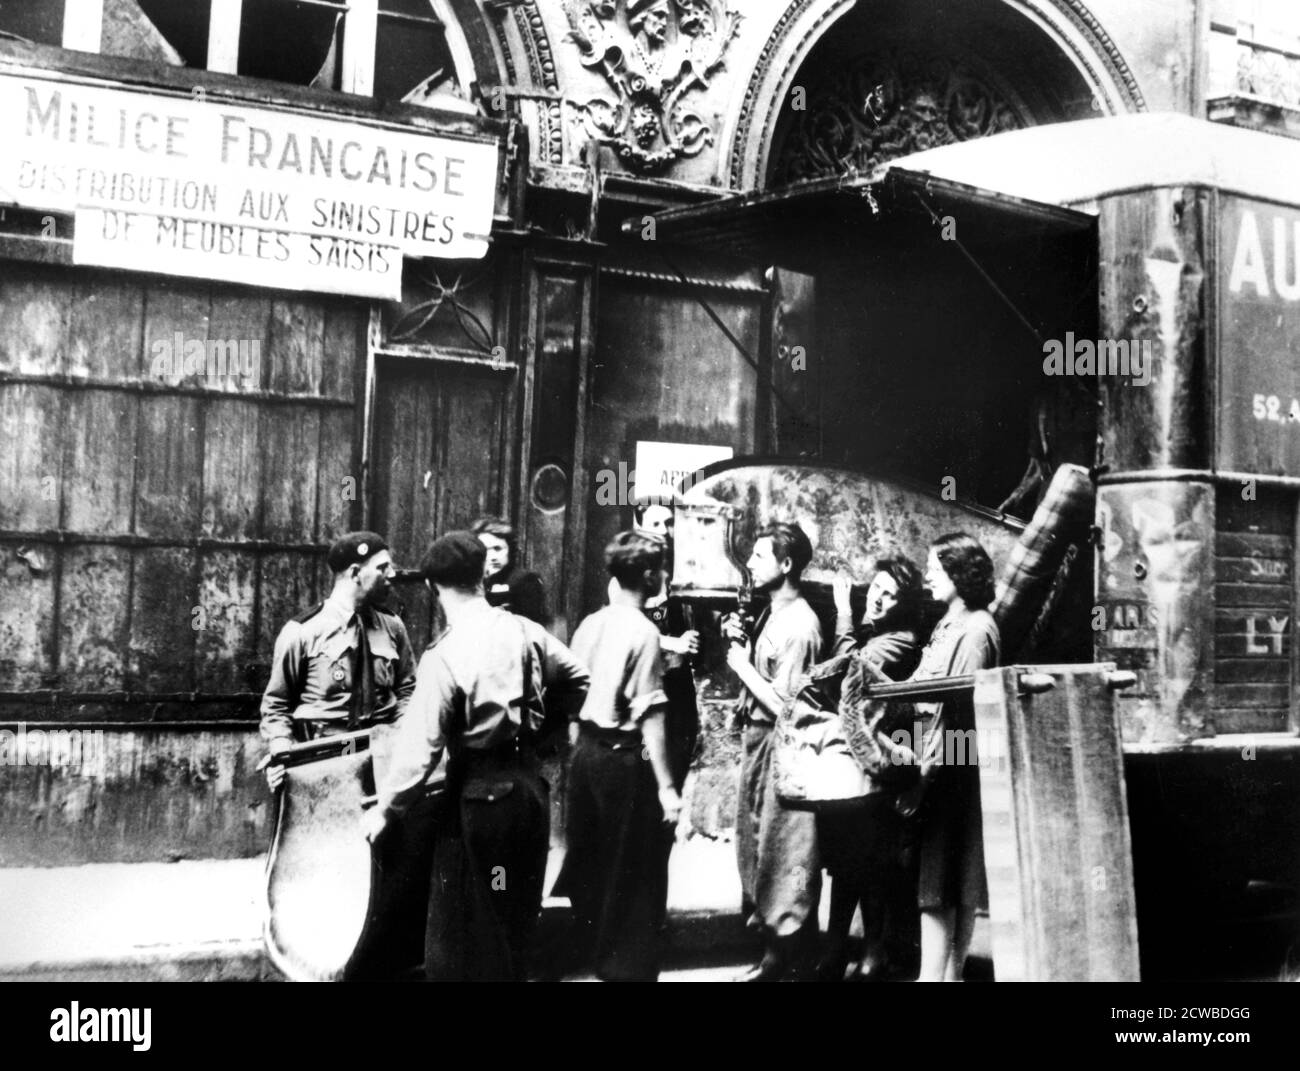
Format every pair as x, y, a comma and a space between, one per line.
952, 884
861, 839
506, 583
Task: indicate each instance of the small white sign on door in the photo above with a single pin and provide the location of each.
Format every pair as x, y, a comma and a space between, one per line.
661, 467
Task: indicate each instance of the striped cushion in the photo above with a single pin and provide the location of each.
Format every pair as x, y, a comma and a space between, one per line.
1063, 519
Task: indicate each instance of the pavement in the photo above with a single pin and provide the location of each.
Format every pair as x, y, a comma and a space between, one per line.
201, 920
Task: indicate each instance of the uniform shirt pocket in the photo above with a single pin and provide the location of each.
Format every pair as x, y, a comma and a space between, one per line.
383, 659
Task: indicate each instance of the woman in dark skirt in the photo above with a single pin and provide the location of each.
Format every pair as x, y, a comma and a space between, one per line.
952, 885
861, 840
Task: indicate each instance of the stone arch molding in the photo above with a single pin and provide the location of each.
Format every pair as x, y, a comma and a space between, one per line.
471, 48
751, 125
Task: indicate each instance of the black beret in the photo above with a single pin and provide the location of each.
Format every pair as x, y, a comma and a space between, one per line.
352, 548
455, 560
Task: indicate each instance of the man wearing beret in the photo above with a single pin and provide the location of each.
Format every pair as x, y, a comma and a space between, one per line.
478, 697
344, 664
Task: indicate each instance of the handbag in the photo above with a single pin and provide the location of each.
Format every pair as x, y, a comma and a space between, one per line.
866, 724
812, 761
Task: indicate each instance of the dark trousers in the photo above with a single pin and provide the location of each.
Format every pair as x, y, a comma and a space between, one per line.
616, 867
863, 846
489, 864
392, 945
681, 722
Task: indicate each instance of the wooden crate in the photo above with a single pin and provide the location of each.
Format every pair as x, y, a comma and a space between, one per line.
1056, 833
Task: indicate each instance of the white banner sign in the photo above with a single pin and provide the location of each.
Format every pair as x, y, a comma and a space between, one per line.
236, 253
660, 467
229, 191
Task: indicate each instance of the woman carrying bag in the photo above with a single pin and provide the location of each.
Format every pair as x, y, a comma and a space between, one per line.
833, 761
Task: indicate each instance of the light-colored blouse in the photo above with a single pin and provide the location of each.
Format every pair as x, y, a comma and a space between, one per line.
957, 646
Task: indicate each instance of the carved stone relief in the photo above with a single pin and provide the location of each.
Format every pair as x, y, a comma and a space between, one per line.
653, 54
879, 108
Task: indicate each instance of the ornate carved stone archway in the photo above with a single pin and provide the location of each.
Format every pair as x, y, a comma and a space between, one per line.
881, 105
752, 126
472, 45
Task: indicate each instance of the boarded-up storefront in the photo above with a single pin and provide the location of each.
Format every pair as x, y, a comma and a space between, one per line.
180, 449
160, 524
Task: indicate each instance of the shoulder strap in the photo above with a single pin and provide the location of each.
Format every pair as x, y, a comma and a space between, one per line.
309, 613
952, 658
377, 615
525, 713
759, 625
457, 723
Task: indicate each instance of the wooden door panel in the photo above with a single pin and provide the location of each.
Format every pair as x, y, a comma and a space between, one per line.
553, 511
437, 451
469, 417
662, 372
437, 457
403, 441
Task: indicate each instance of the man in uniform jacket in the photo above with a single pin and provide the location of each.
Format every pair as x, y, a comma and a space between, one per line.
341, 666
478, 697
344, 664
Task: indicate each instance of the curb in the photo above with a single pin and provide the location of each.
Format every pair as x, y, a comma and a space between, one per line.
715, 936
234, 961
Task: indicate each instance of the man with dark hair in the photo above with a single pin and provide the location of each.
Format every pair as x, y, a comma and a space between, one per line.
506, 583
344, 664
621, 791
478, 696
776, 846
